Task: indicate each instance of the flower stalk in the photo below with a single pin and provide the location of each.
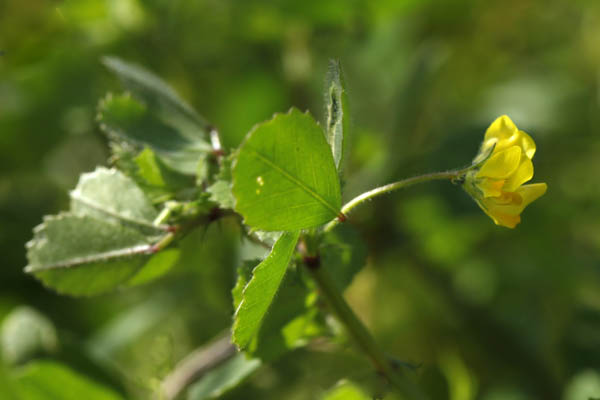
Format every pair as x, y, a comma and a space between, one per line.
366, 196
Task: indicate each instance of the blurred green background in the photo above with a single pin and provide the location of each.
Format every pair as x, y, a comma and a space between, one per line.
489, 313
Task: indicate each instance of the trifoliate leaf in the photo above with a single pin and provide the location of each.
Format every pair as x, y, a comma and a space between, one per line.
284, 177
337, 111
260, 291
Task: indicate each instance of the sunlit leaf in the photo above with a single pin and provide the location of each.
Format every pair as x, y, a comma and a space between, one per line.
284, 177
83, 255
290, 321
261, 289
110, 195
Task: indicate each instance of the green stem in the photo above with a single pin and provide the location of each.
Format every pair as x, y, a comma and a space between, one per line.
366, 196
359, 332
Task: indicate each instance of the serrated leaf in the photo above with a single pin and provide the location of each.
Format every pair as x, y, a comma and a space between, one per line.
83, 255
45, 380
337, 111
109, 194
290, 320
244, 274
343, 253
260, 291
25, 333
223, 378
153, 90
284, 177
179, 146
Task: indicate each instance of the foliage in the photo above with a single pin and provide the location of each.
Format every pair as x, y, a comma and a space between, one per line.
157, 230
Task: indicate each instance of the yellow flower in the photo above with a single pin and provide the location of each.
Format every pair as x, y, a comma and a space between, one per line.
497, 183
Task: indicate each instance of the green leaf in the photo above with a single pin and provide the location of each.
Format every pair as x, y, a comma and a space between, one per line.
26, 333
83, 255
223, 378
158, 265
110, 195
337, 111
153, 90
284, 177
290, 320
260, 291
346, 390
220, 191
343, 253
45, 380
180, 146
156, 174
244, 274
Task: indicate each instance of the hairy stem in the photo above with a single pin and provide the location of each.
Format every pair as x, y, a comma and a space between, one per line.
366, 196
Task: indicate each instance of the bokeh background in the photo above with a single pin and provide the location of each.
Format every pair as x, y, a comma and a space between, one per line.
488, 313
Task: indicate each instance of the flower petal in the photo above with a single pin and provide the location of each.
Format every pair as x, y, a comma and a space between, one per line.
491, 187
507, 220
504, 213
523, 173
531, 192
501, 129
499, 215
527, 144
502, 164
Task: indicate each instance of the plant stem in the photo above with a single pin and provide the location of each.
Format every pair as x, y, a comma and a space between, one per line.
362, 198
359, 332
196, 364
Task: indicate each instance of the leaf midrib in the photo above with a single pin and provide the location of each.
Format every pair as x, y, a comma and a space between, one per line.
298, 182
130, 251
78, 196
